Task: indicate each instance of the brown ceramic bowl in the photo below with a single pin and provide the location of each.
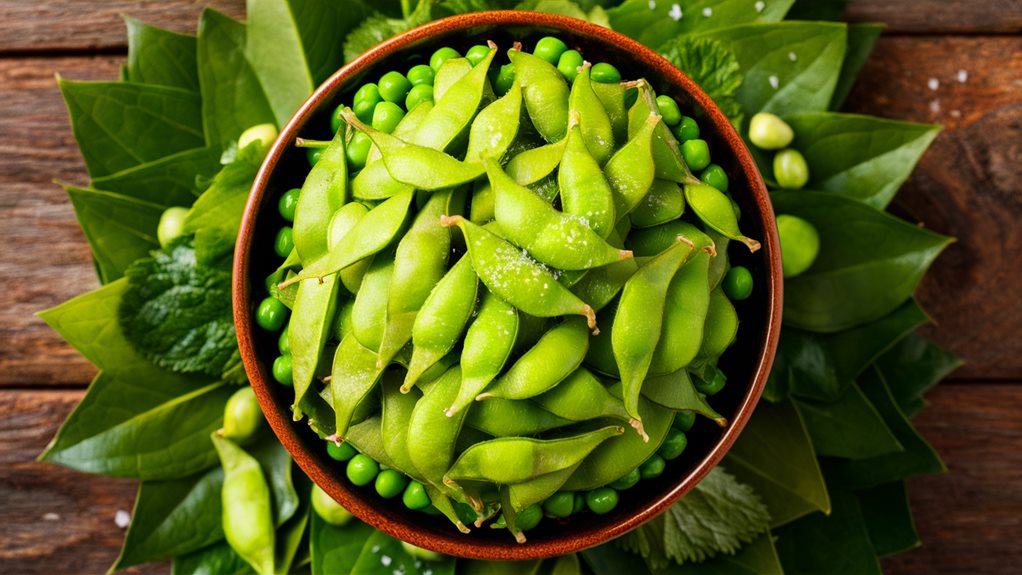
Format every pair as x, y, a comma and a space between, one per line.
747, 363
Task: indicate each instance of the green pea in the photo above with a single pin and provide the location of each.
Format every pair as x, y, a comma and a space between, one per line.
364, 110
768, 132
559, 505
505, 78
358, 150
441, 56
628, 481
550, 49
340, 451
242, 415
287, 203
282, 370
313, 155
271, 314
477, 53
390, 483
420, 553
415, 496
569, 63
421, 74
368, 93
602, 500
579, 504
362, 469
529, 517
329, 510
283, 345
394, 86
674, 445
687, 129
653, 467
738, 283
711, 381
417, 95
790, 169
605, 73
800, 244
171, 226
386, 116
715, 176
696, 153
684, 420
284, 242
668, 110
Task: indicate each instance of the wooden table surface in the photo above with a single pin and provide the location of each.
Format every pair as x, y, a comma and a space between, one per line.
968, 185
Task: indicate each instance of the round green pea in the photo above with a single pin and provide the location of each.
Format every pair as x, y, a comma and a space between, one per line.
362, 469
580, 502
442, 55
282, 342
421, 74
712, 384
172, 224
284, 242
669, 110
738, 283
282, 370
394, 86
368, 93
653, 467
627, 481
420, 553
529, 517
602, 500
477, 53
340, 452
386, 116
715, 176
550, 49
271, 314
329, 510
417, 95
800, 244
287, 204
673, 445
390, 483
696, 153
415, 496
357, 150
336, 121
605, 73
684, 420
559, 505
505, 78
313, 155
769, 132
790, 169
364, 111
687, 129
569, 63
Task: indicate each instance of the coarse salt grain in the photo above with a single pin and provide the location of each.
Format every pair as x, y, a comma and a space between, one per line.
792, 56
652, 4
675, 15
707, 11
962, 76
760, 6
774, 82
122, 518
933, 84
385, 560
51, 516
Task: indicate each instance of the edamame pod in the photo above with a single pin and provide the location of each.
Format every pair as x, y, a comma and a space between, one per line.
242, 416
584, 190
496, 127
630, 171
676, 392
368, 316
397, 413
532, 166
612, 96
374, 182
664, 202
448, 74
405, 128
516, 278
602, 284
582, 397
670, 165
720, 329
688, 300
325, 190
247, 507
545, 93
353, 377
343, 221
715, 210
538, 489
313, 313
649, 242
454, 109
511, 417
488, 343
554, 357
597, 131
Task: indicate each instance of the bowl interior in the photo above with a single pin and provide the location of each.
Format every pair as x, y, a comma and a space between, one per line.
746, 363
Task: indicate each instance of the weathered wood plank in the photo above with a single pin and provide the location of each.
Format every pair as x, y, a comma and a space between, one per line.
940, 16
967, 184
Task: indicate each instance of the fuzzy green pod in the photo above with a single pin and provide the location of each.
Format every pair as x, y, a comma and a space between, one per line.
532, 166
545, 93
688, 301
368, 316
581, 397
247, 507
584, 190
664, 202
341, 223
667, 157
630, 171
511, 417
714, 208
596, 128
495, 127
489, 342
554, 357
455, 107
676, 392
314, 309
720, 329
353, 377
325, 190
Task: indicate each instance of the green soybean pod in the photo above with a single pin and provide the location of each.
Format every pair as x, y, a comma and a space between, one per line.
637, 324
516, 278
720, 329
597, 131
554, 357
324, 191
247, 507
371, 234
582, 397
612, 96
341, 223
397, 410
688, 301
353, 376
630, 171
481, 210
488, 344
649, 242
455, 107
342, 321
531, 166
545, 93
552, 237
601, 285
405, 128
313, 312
537, 489
431, 433
676, 392
442, 319
584, 190
368, 317
420, 262
448, 74
511, 417
495, 127
718, 266
664, 202
374, 182
716, 211
670, 164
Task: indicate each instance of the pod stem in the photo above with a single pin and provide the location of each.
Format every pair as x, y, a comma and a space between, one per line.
636, 424
750, 243
587, 310
306, 143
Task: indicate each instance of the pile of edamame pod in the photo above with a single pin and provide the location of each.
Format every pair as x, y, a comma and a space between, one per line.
508, 290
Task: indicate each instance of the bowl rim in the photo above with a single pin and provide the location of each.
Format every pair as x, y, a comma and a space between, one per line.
279, 416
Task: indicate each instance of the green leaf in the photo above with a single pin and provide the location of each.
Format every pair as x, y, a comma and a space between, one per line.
476, 567
276, 464
764, 51
378, 546
817, 9
274, 48
119, 125
913, 367
713, 67
888, 517
849, 427
178, 313
232, 97
716, 517
292, 534
610, 559
861, 39
869, 262
173, 517
169, 181
322, 27
860, 157
654, 23
378, 28
217, 559
158, 56
756, 558
335, 548
120, 229
917, 459
775, 456
834, 545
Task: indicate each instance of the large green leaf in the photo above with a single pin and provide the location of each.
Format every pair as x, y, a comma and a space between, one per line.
217, 559
861, 157
221, 206
169, 181
849, 427
274, 48
120, 229
713, 67
869, 262
861, 38
775, 456
888, 518
232, 97
119, 125
158, 56
654, 23
834, 545
756, 558
335, 548
789, 67
912, 367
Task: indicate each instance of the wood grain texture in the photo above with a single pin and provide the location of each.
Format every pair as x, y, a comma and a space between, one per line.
967, 185
940, 16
